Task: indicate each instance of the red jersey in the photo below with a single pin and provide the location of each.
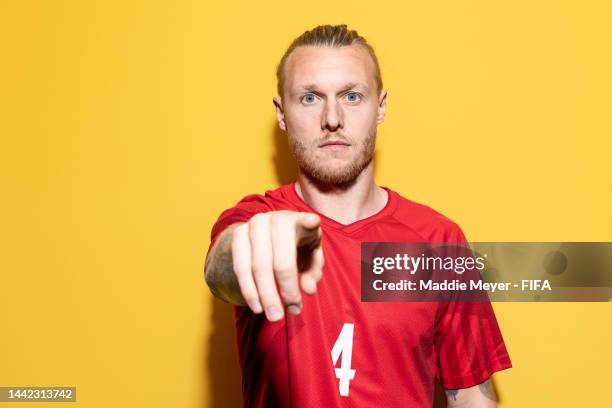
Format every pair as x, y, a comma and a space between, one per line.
341, 352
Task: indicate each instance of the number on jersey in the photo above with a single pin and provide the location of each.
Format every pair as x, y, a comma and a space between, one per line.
344, 346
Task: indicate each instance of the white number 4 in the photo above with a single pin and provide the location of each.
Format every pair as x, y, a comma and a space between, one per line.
344, 346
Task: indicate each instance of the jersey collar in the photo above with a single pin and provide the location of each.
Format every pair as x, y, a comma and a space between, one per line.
387, 210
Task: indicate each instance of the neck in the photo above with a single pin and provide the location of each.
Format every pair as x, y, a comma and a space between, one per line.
345, 204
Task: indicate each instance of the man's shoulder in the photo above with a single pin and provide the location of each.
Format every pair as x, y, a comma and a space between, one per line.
413, 208
278, 198
430, 223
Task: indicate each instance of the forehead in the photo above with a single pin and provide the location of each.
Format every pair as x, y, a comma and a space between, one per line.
329, 67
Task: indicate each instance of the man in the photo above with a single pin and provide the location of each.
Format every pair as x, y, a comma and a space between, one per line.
290, 260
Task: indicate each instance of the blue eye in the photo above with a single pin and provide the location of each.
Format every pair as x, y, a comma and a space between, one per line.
353, 97
308, 98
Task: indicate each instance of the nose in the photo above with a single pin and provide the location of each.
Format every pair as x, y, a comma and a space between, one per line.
332, 116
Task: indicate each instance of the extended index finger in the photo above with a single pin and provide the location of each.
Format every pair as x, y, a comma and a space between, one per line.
308, 230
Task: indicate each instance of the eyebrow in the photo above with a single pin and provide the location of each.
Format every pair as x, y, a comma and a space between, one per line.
313, 87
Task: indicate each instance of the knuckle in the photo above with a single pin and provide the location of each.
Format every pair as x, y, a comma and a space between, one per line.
278, 220
285, 280
257, 220
253, 222
259, 267
290, 294
238, 232
283, 266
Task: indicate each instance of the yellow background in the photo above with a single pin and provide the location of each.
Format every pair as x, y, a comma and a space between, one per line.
128, 126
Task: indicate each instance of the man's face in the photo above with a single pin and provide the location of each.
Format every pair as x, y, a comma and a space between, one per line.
330, 109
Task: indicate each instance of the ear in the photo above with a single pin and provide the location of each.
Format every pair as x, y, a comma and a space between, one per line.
280, 115
382, 106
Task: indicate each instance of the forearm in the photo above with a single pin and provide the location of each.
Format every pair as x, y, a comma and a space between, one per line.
219, 270
479, 396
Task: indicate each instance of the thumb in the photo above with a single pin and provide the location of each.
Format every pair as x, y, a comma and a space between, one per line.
308, 221
308, 229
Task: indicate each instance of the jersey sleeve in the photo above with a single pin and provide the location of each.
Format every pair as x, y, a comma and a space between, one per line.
468, 343
241, 212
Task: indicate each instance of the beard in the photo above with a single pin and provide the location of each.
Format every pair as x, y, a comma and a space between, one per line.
325, 172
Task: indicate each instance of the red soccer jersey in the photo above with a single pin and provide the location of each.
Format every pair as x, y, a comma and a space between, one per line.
340, 352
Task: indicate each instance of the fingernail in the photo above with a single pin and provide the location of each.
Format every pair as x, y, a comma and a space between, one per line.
294, 309
273, 313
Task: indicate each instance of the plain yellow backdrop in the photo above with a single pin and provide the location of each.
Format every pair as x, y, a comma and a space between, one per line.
128, 126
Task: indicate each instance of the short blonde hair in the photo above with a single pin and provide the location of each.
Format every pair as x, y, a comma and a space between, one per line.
327, 36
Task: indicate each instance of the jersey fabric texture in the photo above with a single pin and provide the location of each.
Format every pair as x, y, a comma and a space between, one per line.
340, 352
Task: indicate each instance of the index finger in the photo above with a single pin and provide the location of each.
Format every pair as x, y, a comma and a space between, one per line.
308, 230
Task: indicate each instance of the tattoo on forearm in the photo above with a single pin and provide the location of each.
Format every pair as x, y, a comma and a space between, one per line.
221, 275
452, 394
487, 389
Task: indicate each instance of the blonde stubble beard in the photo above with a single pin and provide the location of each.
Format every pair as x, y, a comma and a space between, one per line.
317, 172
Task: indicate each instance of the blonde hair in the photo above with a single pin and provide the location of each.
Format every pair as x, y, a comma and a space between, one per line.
327, 36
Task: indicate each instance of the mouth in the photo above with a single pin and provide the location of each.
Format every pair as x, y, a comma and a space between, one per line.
334, 144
